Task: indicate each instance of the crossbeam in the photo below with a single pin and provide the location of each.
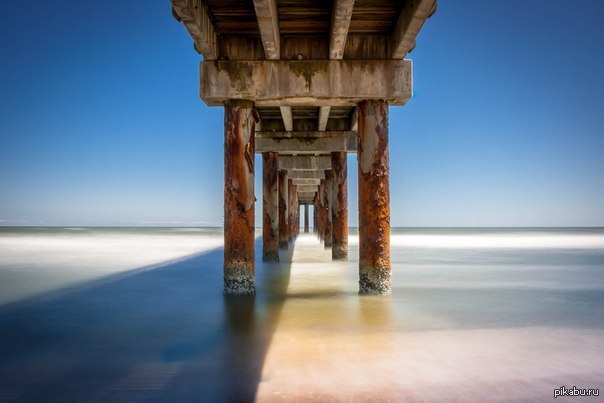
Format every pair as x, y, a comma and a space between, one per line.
196, 20
306, 195
344, 141
306, 188
306, 174
305, 181
408, 25
304, 162
306, 82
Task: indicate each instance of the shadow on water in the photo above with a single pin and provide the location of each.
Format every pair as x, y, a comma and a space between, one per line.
166, 334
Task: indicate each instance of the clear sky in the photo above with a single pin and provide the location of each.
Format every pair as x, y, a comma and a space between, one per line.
101, 123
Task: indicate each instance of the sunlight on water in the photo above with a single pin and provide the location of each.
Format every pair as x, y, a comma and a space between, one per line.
34, 261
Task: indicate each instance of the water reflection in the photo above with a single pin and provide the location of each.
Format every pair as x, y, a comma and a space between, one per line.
465, 325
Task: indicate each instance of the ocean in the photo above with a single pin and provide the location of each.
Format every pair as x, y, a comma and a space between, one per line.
138, 314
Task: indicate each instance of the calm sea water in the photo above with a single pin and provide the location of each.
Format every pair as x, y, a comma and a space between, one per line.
118, 314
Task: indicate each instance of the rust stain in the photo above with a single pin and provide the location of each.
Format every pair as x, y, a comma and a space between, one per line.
283, 195
238, 201
340, 207
270, 207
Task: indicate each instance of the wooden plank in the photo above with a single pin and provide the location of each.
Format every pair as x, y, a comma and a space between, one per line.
194, 16
408, 25
268, 23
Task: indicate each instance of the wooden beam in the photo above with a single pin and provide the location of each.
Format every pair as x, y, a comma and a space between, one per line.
268, 23
304, 162
194, 16
340, 22
307, 145
288, 118
408, 25
323, 117
306, 82
308, 174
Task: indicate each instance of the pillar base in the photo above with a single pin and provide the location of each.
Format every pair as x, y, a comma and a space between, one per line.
270, 256
375, 281
239, 279
339, 253
283, 244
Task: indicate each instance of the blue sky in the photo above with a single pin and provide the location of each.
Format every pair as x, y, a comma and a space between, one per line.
101, 123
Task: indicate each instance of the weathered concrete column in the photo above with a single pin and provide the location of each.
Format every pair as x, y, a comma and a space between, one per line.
328, 201
239, 199
374, 199
283, 222
339, 249
306, 218
270, 207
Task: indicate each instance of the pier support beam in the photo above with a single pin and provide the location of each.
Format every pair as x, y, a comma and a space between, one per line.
339, 249
270, 207
306, 218
283, 195
374, 199
239, 199
328, 205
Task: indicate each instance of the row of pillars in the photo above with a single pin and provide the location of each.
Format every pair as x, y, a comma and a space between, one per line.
281, 205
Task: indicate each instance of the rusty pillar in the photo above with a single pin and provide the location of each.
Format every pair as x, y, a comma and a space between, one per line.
239, 198
339, 249
374, 199
320, 210
290, 211
270, 207
296, 214
283, 195
328, 204
314, 216
306, 218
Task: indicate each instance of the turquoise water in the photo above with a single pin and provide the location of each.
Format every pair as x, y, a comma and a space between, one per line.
115, 314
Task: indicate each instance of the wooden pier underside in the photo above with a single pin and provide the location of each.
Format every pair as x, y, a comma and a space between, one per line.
318, 77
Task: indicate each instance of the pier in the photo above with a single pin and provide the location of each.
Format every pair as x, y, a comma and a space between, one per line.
304, 83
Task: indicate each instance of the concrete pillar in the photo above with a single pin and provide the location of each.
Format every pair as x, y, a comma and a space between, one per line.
374, 198
239, 199
306, 218
270, 207
283, 195
339, 249
328, 203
